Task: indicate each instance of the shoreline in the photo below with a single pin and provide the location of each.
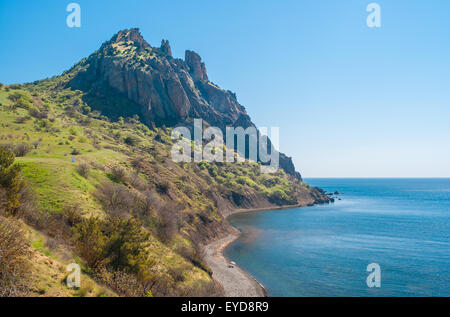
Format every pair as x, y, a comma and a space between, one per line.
236, 281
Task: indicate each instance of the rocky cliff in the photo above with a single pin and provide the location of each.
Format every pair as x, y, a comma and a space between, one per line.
127, 76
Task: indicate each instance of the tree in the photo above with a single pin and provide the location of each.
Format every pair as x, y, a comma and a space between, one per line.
90, 242
127, 246
11, 179
119, 243
6, 158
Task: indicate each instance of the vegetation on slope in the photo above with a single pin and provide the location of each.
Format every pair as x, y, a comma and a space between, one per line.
107, 195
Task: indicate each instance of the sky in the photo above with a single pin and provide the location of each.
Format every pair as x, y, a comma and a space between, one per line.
349, 100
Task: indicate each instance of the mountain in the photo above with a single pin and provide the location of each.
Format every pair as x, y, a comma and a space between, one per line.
86, 177
162, 90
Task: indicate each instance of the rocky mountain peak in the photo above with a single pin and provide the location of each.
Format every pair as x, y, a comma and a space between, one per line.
131, 35
197, 68
165, 47
126, 79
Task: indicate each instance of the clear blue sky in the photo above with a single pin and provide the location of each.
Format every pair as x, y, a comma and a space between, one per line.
350, 101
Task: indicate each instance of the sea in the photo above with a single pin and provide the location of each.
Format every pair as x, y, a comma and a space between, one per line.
381, 237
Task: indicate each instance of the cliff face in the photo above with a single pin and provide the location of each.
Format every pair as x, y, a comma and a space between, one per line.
160, 89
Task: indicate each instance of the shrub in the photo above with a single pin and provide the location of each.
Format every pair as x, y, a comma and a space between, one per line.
136, 162
85, 121
22, 103
118, 174
72, 214
22, 119
163, 187
90, 242
137, 182
75, 152
83, 169
35, 144
118, 243
6, 158
132, 140
168, 221
11, 179
37, 114
127, 245
124, 284
22, 149
73, 131
278, 196
15, 96
27, 209
115, 198
14, 266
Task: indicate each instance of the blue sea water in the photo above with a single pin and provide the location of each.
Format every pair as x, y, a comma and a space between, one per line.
401, 224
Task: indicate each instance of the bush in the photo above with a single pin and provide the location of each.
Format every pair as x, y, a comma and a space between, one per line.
22, 119
37, 114
22, 149
27, 208
14, 266
90, 242
115, 198
137, 182
118, 243
72, 214
6, 159
278, 196
131, 140
75, 152
11, 179
124, 284
22, 103
15, 96
35, 144
118, 174
127, 245
168, 220
83, 169
136, 162
163, 187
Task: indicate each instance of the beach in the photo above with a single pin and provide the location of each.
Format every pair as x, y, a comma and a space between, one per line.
235, 281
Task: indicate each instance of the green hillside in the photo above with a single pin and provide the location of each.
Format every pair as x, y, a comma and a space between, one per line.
107, 195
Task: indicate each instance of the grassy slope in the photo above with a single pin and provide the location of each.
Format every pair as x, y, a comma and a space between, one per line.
56, 182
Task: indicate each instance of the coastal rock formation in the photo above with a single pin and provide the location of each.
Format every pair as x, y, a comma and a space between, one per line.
162, 90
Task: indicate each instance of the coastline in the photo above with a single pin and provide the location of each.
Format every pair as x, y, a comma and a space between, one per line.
236, 281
